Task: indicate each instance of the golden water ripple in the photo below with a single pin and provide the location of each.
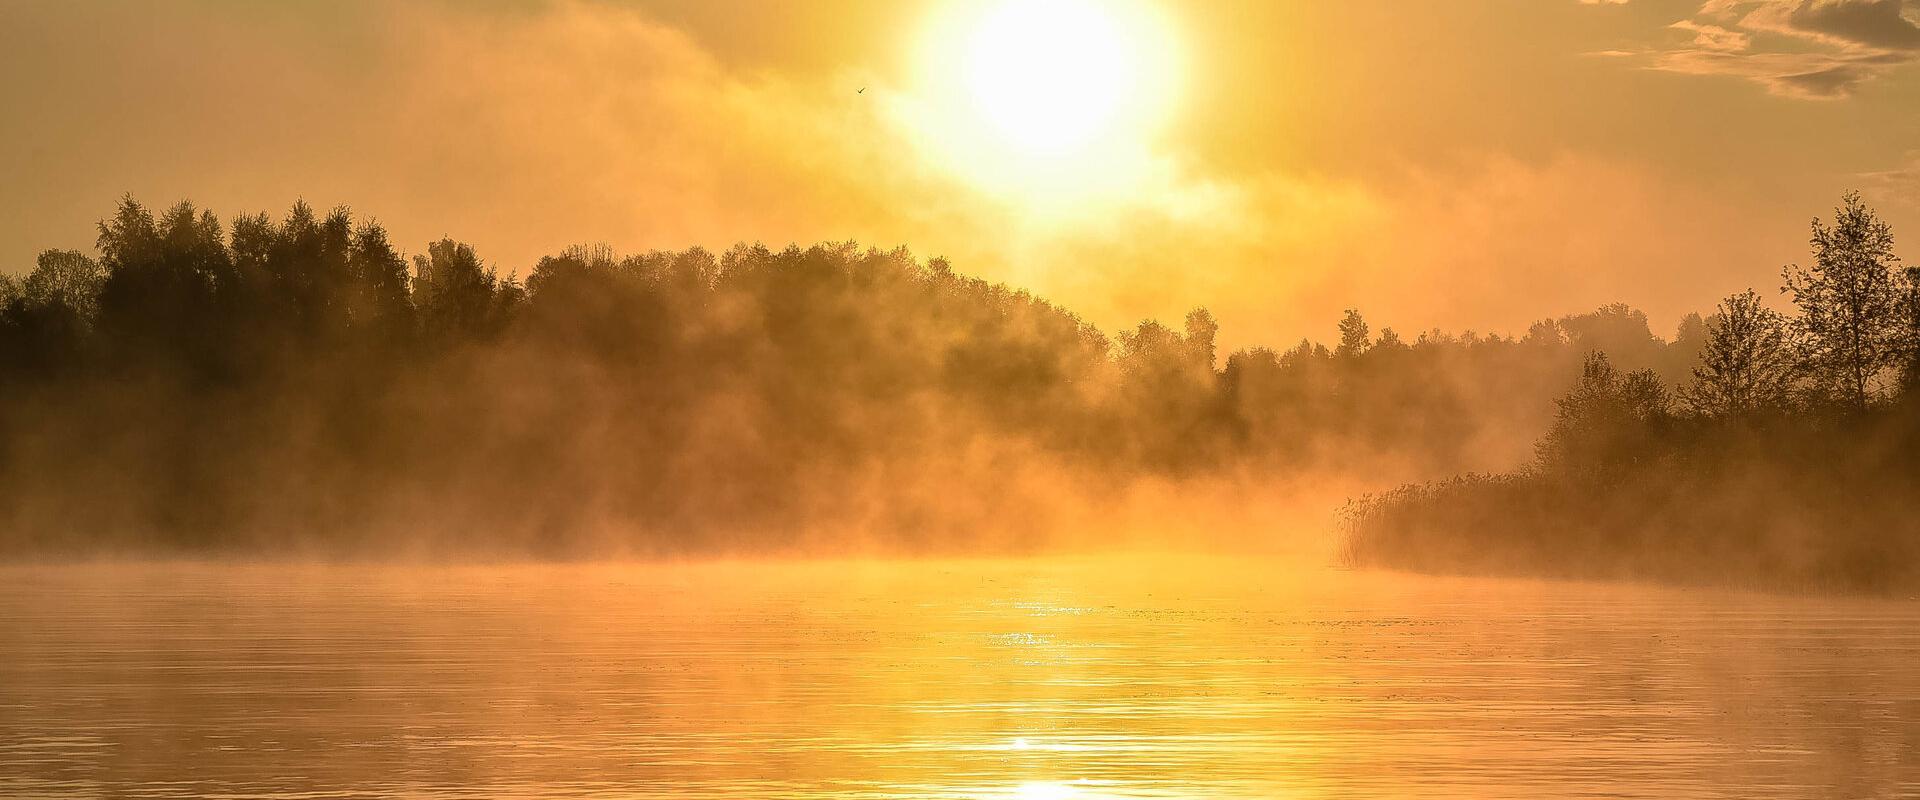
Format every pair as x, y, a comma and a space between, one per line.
1045, 679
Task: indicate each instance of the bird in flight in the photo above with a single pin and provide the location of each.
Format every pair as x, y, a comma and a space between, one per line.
863, 90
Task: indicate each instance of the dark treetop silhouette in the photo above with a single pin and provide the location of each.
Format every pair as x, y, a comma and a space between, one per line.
291, 385
1790, 458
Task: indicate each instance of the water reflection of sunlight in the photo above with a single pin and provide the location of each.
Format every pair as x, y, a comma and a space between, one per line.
1050, 609
1024, 743
1042, 790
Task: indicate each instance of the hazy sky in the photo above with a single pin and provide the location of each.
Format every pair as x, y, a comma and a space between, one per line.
1459, 164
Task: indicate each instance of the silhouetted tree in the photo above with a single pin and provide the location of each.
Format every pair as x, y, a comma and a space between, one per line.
1848, 299
1747, 364
1166, 376
1619, 488
171, 290
1616, 329
1545, 334
378, 302
1679, 357
458, 298
46, 316
1603, 427
68, 279
1908, 315
1354, 334
1201, 329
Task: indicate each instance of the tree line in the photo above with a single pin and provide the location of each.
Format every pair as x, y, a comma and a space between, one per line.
1789, 456
266, 384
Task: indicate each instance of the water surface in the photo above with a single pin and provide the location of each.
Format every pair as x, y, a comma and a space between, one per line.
1122, 677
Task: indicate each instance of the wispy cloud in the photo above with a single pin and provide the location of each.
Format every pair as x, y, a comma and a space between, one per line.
1901, 184
1804, 49
1845, 24
1714, 37
1809, 76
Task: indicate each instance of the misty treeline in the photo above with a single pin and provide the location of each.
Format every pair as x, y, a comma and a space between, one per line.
298, 384
1789, 457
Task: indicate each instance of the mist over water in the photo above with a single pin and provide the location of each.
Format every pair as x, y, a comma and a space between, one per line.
290, 388
985, 400
1157, 676
293, 388
291, 519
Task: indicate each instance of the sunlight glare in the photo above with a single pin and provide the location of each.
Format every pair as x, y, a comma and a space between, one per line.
1047, 101
1045, 791
1049, 74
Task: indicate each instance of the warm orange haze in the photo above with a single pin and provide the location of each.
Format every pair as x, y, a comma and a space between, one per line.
1001, 399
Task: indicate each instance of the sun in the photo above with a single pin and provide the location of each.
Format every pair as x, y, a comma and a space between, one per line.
1049, 75
1048, 99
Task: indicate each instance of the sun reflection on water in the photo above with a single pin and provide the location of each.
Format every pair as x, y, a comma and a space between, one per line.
1208, 679
1047, 790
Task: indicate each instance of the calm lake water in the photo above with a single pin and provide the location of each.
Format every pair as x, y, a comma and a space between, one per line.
1125, 677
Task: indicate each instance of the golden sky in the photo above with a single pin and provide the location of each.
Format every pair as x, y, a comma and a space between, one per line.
1456, 164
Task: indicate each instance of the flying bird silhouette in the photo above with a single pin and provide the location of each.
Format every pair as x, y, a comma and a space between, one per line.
863, 90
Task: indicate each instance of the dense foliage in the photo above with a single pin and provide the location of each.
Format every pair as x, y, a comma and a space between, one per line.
271, 384
1791, 456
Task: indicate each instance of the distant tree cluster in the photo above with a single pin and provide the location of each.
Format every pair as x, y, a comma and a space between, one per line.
1790, 454
298, 383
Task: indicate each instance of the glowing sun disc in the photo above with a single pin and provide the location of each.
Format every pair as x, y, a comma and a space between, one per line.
1051, 103
1049, 74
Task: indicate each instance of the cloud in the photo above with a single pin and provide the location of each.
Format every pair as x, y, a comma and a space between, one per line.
1714, 37
1900, 184
1808, 76
1846, 24
1852, 42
